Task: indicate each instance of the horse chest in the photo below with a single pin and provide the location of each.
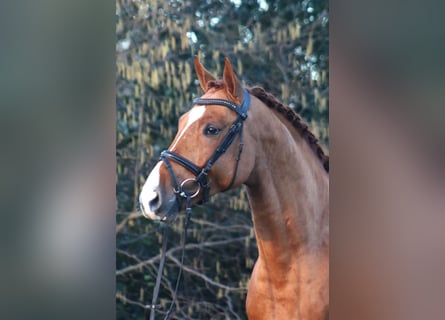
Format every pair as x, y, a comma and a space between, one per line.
284, 296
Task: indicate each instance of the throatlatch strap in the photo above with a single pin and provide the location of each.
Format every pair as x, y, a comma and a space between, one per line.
238, 157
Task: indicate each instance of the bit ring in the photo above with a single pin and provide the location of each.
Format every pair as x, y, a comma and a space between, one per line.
184, 193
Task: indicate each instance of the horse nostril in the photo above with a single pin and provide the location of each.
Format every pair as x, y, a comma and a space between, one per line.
155, 201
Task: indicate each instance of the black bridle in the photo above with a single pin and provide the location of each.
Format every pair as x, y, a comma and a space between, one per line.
201, 173
201, 181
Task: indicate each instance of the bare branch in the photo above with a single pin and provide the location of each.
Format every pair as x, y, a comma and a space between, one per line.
177, 248
132, 256
204, 277
132, 215
216, 226
229, 304
124, 299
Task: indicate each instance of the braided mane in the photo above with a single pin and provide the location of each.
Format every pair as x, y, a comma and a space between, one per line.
270, 101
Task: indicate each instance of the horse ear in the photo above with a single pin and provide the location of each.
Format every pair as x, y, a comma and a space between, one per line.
233, 85
203, 75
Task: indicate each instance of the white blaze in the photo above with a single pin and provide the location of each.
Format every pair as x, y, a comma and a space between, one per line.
194, 115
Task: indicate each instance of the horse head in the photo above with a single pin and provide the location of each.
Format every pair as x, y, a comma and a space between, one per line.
210, 153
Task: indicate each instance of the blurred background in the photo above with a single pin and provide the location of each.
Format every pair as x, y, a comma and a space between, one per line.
60, 121
282, 46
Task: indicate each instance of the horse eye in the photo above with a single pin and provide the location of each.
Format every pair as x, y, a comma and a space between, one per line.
211, 130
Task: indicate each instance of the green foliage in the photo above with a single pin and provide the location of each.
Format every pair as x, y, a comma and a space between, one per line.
277, 44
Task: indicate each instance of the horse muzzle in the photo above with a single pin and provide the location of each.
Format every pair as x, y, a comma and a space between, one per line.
154, 201
155, 205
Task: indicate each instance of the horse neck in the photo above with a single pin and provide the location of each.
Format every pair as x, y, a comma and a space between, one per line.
288, 191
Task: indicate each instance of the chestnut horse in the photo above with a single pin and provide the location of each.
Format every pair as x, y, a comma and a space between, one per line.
286, 174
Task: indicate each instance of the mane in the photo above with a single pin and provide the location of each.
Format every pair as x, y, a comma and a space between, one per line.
302, 128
